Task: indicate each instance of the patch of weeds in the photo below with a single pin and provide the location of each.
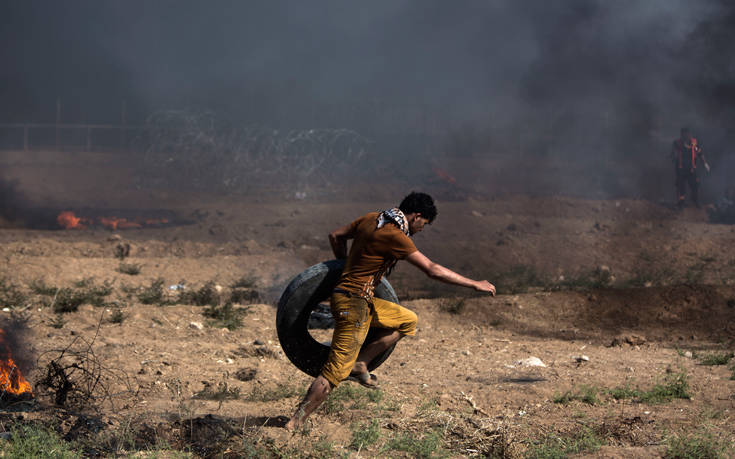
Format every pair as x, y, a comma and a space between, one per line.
675, 385
117, 316
364, 435
66, 300
220, 393
244, 295
244, 282
58, 321
225, 316
555, 446
207, 295
86, 292
587, 280
35, 440
271, 394
322, 448
695, 273
153, 294
10, 294
715, 359
427, 446
40, 287
452, 305
131, 269
430, 405
585, 394
732, 376
519, 279
357, 396
648, 277
702, 444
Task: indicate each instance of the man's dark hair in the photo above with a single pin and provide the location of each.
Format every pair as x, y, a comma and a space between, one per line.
420, 203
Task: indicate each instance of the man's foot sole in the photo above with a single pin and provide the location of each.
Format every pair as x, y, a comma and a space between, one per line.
368, 380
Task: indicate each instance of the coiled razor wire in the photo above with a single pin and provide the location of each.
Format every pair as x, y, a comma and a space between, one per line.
185, 148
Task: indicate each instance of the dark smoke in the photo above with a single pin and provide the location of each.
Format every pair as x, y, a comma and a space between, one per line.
17, 210
604, 86
16, 331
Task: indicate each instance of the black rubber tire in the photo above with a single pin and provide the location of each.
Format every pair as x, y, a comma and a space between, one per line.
301, 296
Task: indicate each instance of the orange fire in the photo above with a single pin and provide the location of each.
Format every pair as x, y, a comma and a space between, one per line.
444, 175
11, 379
68, 220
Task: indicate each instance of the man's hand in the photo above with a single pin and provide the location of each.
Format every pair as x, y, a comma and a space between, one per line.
485, 286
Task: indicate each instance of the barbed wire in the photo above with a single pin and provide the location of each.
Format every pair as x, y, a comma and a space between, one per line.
187, 148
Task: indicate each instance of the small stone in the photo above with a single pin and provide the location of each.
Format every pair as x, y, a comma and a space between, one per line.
688, 354
466, 352
476, 213
258, 342
581, 358
196, 325
531, 362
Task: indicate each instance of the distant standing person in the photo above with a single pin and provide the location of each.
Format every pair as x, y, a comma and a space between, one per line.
685, 152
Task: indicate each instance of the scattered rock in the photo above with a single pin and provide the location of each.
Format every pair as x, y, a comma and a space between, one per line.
531, 362
580, 358
122, 250
196, 325
114, 237
257, 351
688, 354
466, 352
477, 214
258, 342
246, 374
633, 340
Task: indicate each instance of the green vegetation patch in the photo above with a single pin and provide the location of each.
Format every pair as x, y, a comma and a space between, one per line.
207, 295
11, 296
425, 446
698, 445
34, 440
715, 358
563, 446
225, 316
131, 269
674, 386
354, 397
365, 434
153, 294
585, 394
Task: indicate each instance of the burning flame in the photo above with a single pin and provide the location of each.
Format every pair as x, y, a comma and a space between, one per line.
11, 379
68, 220
444, 175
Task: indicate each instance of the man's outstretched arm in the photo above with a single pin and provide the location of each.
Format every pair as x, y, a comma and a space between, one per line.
338, 240
439, 272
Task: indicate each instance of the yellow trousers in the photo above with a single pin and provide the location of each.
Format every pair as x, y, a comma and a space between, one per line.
354, 315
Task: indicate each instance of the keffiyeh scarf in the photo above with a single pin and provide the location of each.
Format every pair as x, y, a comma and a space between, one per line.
394, 216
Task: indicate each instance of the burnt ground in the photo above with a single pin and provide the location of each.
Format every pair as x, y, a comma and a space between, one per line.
646, 293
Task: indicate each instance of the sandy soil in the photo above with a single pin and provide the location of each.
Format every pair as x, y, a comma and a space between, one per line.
629, 284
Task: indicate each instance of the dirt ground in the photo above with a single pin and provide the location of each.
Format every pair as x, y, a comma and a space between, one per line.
608, 294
